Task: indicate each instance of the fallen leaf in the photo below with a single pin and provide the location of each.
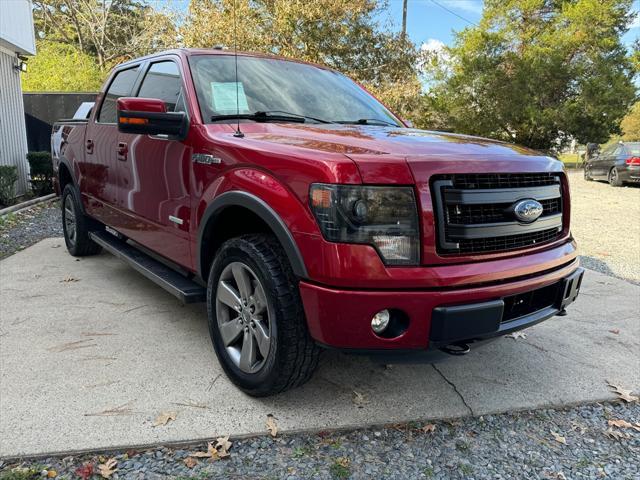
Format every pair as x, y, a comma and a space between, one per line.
517, 335
85, 471
69, 280
559, 438
272, 426
617, 434
615, 331
343, 461
223, 445
190, 462
108, 468
211, 453
429, 428
359, 399
623, 424
622, 393
164, 418
52, 474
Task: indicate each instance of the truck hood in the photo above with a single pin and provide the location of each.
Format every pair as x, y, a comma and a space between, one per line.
397, 155
376, 140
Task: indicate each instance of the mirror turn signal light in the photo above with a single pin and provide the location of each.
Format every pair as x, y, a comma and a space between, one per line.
134, 121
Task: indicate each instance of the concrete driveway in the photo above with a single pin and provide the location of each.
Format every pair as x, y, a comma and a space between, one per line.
91, 353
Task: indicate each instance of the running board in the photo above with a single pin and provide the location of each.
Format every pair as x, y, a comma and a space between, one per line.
173, 282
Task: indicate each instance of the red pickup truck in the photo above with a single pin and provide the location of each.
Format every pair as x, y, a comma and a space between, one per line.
307, 215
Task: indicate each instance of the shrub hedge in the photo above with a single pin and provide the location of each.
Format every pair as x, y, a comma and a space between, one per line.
41, 172
8, 179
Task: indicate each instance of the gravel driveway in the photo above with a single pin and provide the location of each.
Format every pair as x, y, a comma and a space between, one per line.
566, 444
606, 224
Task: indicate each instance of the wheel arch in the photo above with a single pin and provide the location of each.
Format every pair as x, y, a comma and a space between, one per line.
268, 220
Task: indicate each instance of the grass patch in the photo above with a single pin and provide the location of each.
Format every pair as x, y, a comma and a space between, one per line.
339, 471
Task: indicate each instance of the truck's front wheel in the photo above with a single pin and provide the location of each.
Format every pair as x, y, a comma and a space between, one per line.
256, 319
75, 225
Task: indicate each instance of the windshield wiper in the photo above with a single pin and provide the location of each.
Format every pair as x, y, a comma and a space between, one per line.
368, 121
270, 116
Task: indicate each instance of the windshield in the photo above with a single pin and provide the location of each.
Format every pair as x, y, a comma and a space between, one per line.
271, 85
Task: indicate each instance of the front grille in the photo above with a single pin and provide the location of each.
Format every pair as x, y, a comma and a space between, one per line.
500, 180
474, 212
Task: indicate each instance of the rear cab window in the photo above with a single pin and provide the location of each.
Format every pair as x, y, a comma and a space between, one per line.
120, 86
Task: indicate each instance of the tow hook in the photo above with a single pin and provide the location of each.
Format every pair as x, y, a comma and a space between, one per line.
456, 349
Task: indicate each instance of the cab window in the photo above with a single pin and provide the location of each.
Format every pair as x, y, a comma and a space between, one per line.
120, 87
162, 81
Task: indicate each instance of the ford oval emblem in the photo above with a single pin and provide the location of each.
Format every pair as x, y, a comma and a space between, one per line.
527, 211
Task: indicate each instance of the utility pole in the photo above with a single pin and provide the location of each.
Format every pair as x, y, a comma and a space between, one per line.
404, 19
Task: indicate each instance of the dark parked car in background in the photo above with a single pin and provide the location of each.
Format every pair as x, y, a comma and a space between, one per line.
618, 164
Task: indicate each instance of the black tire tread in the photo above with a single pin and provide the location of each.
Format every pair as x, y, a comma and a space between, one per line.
84, 246
301, 354
618, 182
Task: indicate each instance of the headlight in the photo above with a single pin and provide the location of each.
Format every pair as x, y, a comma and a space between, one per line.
385, 217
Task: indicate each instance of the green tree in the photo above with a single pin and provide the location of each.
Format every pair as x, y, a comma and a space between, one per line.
61, 68
112, 31
341, 34
539, 72
630, 125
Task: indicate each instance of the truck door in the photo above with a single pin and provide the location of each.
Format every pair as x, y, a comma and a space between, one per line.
99, 177
154, 174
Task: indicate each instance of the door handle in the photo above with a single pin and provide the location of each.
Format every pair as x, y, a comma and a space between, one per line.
89, 146
122, 151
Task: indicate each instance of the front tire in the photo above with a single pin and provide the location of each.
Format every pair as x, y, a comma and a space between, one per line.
256, 320
75, 225
614, 178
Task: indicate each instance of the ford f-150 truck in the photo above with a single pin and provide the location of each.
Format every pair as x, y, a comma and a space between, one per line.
307, 215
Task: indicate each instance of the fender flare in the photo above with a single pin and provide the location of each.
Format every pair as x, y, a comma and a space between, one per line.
64, 162
266, 213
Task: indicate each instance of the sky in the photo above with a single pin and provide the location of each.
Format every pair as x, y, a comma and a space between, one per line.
431, 22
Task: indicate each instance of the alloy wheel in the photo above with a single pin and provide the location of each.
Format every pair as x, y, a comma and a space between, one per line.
242, 313
70, 219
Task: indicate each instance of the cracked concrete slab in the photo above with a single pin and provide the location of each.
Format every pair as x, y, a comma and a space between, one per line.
91, 352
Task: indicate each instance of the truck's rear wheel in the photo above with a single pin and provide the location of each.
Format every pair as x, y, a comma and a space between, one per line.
75, 225
256, 319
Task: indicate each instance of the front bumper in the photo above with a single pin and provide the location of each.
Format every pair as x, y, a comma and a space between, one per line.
341, 318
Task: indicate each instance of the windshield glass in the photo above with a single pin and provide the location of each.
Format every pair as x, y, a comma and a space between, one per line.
279, 86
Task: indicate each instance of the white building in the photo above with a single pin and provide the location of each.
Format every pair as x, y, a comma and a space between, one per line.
17, 40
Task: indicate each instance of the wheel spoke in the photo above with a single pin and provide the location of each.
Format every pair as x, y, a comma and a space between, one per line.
242, 280
230, 331
260, 299
248, 352
228, 295
262, 338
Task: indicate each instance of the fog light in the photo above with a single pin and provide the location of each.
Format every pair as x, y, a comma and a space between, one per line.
380, 321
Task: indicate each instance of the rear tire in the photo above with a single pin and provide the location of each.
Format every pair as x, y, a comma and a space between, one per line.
75, 225
253, 297
614, 178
